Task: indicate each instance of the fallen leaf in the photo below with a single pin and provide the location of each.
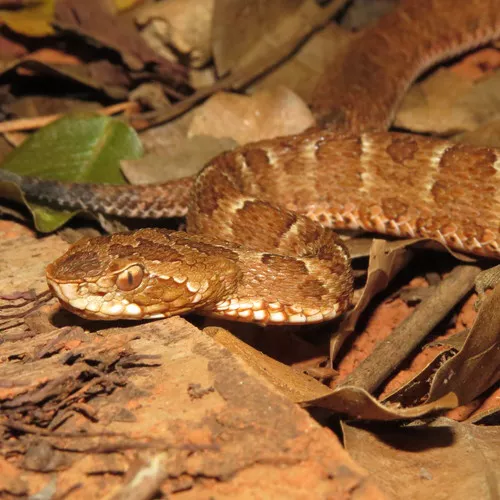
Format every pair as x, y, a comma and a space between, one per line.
266, 114
293, 384
447, 103
95, 19
440, 460
486, 135
74, 148
357, 403
34, 18
301, 72
99, 75
9, 49
386, 260
416, 390
183, 159
476, 367
184, 24
248, 31
40, 105
301, 388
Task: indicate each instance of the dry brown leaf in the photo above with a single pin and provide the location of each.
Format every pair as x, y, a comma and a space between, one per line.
248, 31
311, 17
386, 260
357, 403
9, 49
302, 388
293, 384
40, 105
476, 367
487, 135
170, 154
266, 114
302, 71
416, 390
99, 75
184, 24
441, 460
409, 334
446, 104
184, 158
95, 19
150, 95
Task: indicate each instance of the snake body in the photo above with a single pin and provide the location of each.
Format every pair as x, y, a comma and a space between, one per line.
259, 245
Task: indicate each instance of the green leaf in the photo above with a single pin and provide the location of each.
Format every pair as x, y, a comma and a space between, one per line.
77, 148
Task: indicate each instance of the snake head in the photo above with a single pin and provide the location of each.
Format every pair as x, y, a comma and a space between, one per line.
152, 273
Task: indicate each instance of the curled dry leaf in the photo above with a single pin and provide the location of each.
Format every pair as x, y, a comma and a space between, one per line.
404, 339
416, 390
442, 459
357, 403
266, 114
476, 367
302, 388
386, 260
310, 17
184, 24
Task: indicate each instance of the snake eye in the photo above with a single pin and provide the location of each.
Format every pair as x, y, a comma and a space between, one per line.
130, 278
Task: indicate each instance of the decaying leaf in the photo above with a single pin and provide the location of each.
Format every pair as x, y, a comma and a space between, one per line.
441, 459
79, 149
95, 19
476, 367
352, 401
266, 114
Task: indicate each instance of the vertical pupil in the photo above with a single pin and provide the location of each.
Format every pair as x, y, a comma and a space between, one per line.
130, 278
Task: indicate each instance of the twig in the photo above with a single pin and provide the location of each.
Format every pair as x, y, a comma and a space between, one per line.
40, 121
389, 353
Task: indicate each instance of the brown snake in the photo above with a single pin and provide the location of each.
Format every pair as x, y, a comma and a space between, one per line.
259, 245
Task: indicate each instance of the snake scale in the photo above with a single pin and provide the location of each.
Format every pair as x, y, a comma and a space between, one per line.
259, 245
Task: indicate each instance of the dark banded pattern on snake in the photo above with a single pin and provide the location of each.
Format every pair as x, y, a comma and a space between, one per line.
263, 203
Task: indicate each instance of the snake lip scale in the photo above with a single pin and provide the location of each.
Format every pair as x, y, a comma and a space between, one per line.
259, 245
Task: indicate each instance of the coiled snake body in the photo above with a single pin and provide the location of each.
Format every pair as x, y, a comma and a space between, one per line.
259, 245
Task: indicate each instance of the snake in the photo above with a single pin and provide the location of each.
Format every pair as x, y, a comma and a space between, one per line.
260, 244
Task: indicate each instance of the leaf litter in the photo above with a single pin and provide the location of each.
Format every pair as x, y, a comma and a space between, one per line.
391, 359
